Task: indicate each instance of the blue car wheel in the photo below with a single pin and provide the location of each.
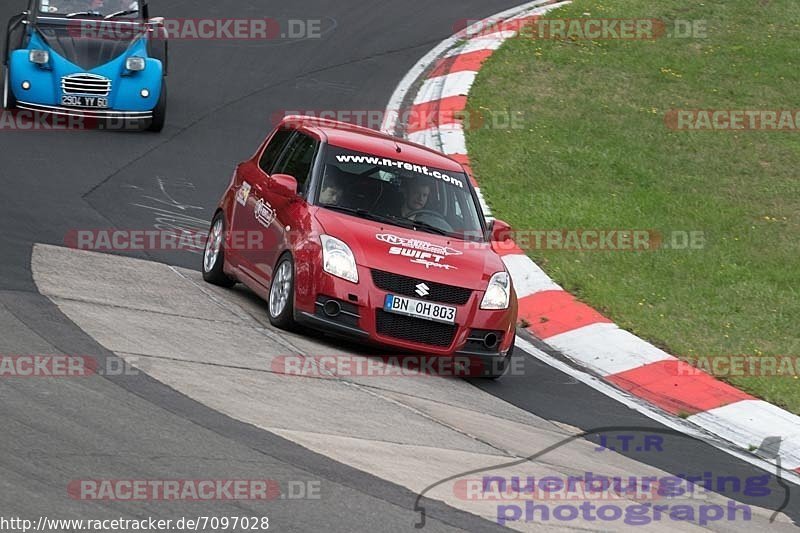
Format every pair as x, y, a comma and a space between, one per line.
160, 111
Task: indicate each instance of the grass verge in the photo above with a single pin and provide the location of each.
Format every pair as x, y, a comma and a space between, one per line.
591, 150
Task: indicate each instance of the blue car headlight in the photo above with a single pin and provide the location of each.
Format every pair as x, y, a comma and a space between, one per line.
135, 64
40, 57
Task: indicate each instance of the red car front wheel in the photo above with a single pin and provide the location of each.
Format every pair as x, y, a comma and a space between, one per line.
214, 254
281, 294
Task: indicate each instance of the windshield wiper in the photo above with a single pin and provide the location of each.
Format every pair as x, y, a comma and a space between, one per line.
348, 210
430, 228
121, 13
84, 14
402, 222
363, 213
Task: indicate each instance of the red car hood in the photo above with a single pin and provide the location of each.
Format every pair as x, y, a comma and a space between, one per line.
417, 254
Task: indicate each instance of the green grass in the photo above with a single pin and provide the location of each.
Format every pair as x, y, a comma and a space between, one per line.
595, 153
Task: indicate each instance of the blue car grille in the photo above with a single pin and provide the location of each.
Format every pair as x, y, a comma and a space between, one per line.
90, 84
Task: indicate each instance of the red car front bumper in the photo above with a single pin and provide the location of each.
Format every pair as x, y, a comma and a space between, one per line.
355, 310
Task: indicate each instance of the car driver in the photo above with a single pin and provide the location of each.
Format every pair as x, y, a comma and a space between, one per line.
415, 196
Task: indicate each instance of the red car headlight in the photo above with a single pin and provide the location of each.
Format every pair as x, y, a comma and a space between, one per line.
498, 293
337, 259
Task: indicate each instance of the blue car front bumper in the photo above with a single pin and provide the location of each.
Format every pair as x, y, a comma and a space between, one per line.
48, 88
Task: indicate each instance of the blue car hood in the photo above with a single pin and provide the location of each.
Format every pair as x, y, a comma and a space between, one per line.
82, 49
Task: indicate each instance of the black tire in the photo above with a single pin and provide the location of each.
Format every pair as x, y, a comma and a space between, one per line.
213, 271
157, 48
15, 39
9, 100
499, 367
160, 111
284, 319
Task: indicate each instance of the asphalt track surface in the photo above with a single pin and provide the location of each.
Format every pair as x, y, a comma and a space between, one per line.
223, 96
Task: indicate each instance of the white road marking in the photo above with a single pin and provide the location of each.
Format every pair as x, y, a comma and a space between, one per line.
641, 406
441, 87
606, 349
448, 139
748, 422
527, 277
410, 78
491, 41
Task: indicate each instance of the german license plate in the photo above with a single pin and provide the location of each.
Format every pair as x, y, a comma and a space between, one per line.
98, 102
419, 309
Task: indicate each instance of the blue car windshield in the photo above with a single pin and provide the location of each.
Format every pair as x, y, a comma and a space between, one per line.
99, 8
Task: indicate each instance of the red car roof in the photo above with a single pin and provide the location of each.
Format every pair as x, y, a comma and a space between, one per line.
360, 139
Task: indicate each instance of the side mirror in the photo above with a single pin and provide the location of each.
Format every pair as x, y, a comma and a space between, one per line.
156, 25
501, 231
283, 185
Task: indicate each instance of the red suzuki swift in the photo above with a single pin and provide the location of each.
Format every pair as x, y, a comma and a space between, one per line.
356, 233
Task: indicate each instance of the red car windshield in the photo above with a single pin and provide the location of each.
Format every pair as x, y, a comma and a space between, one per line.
401, 193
